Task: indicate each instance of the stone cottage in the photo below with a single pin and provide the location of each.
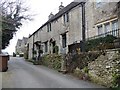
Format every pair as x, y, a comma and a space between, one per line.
21, 46
64, 29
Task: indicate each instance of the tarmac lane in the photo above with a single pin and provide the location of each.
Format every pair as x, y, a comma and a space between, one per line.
23, 74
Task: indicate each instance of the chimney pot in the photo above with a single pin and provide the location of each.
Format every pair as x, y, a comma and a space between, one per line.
61, 6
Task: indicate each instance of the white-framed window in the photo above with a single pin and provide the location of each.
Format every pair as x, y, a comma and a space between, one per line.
107, 27
115, 25
110, 27
100, 29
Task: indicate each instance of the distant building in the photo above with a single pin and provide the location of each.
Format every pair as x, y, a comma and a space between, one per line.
18, 46
21, 45
64, 29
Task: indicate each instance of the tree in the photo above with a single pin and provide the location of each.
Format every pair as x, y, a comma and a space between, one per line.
12, 14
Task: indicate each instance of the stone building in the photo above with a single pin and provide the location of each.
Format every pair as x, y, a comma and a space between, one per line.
64, 29
21, 45
18, 46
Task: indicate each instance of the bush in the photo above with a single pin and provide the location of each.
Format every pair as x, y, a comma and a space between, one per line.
56, 49
100, 43
85, 69
26, 55
116, 80
80, 60
52, 61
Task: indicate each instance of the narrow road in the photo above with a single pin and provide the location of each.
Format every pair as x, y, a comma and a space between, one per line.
22, 74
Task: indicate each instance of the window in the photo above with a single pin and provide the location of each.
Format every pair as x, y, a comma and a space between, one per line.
107, 27
64, 40
100, 30
115, 25
49, 27
66, 17
46, 46
110, 28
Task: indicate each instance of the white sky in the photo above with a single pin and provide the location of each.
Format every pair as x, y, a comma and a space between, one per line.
42, 8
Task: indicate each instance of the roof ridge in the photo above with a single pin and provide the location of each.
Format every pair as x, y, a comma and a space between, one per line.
57, 15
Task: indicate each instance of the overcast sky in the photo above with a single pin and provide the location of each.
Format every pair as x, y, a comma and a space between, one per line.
42, 8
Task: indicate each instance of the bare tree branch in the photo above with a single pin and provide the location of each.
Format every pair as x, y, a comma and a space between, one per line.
13, 13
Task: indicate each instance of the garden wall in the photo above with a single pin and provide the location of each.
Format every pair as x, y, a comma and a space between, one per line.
99, 67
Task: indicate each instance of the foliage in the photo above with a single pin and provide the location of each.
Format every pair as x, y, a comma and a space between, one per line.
100, 43
85, 69
78, 73
81, 74
52, 61
56, 49
14, 55
116, 80
80, 60
26, 55
12, 14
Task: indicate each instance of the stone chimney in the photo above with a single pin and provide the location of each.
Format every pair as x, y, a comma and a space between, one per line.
51, 15
61, 6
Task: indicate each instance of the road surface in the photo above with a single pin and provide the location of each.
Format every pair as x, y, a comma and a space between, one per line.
22, 74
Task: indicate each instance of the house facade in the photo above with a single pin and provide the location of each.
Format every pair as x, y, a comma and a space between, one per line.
18, 46
64, 29
21, 46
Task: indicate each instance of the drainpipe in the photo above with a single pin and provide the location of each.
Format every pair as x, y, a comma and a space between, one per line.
83, 26
33, 47
82, 43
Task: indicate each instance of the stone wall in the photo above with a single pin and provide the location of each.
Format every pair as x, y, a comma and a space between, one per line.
73, 61
99, 67
104, 68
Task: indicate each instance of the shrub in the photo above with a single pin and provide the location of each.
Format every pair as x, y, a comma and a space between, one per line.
116, 80
26, 55
85, 69
100, 43
56, 49
52, 61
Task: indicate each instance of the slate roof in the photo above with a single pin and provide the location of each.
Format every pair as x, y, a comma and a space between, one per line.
59, 14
